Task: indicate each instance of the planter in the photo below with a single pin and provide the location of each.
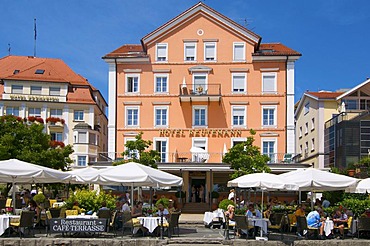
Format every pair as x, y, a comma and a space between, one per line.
351, 172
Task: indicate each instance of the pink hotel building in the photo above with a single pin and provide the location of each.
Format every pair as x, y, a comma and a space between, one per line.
195, 86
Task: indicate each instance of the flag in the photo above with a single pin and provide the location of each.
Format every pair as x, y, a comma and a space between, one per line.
34, 28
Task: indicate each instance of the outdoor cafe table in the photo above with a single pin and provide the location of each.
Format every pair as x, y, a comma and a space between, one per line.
150, 223
262, 223
328, 227
209, 216
5, 221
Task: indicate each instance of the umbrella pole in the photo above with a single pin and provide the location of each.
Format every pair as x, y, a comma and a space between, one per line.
261, 212
13, 196
132, 195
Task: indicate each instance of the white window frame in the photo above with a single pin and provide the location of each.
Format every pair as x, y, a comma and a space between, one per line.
237, 140
312, 124
275, 116
166, 153
125, 148
157, 57
36, 90
78, 140
9, 110
57, 134
300, 131
54, 91
155, 116
306, 147
244, 51
126, 116
233, 76
186, 44
78, 118
306, 108
161, 75
263, 75
199, 139
132, 75
274, 154
35, 114
52, 114
233, 109
306, 128
301, 149
200, 107
215, 51
78, 160
195, 85
17, 89
312, 144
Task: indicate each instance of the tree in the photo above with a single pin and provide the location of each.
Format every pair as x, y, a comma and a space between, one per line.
137, 151
28, 142
246, 158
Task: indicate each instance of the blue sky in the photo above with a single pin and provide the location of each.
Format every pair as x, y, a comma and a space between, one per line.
332, 35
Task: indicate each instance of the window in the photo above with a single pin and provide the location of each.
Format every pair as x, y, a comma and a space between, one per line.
239, 82
268, 148
132, 153
238, 116
81, 160
36, 112
78, 115
36, 90
54, 91
12, 111
312, 144
300, 149
17, 89
161, 116
200, 83
92, 138
312, 124
199, 116
81, 137
209, 51
161, 147
268, 116
161, 83
235, 141
239, 51
161, 52
57, 113
306, 129
268, 82
300, 131
132, 83
132, 116
306, 147
199, 150
190, 50
39, 71
56, 136
350, 104
307, 108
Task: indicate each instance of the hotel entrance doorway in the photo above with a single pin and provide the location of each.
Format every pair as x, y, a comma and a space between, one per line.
197, 189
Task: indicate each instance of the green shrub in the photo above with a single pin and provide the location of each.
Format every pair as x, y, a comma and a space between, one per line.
39, 198
90, 200
240, 211
357, 206
165, 201
224, 203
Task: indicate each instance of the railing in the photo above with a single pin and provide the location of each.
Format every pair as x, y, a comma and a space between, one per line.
200, 90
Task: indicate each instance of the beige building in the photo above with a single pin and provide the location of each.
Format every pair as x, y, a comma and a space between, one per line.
47, 90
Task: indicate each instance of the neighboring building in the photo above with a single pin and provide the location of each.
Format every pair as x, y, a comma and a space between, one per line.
313, 110
47, 90
195, 86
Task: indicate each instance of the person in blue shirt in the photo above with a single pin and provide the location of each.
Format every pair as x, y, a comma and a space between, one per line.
315, 219
253, 212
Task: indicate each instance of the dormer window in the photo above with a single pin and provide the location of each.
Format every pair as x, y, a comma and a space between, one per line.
16, 71
40, 71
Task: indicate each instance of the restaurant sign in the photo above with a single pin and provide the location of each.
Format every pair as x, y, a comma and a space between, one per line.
78, 225
34, 98
200, 133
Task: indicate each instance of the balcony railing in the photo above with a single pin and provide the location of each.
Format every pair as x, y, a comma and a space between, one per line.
199, 92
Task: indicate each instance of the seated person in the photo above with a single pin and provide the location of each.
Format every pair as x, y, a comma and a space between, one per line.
171, 207
231, 214
366, 214
267, 213
137, 210
300, 212
162, 211
340, 220
315, 220
251, 212
76, 207
32, 206
125, 206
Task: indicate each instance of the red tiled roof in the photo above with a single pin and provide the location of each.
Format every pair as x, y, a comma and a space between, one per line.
127, 50
324, 94
55, 70
275, 49
80, 95
1, 91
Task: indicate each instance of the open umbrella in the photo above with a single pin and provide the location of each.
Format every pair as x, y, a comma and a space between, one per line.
199, 154
84, 175
363, 186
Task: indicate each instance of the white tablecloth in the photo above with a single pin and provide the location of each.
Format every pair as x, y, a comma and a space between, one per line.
151, 222
82, 217
328, 227
4, 222
209, 216
58, 204
263, 223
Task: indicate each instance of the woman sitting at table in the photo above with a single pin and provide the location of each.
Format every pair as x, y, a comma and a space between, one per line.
162, 211
137, 210
32, 206
340, 221
230, 213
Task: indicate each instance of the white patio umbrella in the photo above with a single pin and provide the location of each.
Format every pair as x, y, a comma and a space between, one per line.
84, 175
363, 186
315, 180
15, 171
264, 181
199, 153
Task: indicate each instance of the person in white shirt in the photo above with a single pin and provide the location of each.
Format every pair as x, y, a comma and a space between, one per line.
231, 194
162, 211
125, 206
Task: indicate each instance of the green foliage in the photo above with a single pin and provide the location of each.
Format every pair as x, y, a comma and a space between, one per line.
246, 158
357, 206
39, 198
165, 201
215, 194
364, 162
330, 210
224, 203
143, 156
333, 196
90, 200
240, 211
28, 142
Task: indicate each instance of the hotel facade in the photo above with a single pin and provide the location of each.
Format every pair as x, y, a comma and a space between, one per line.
47, 90
195, 86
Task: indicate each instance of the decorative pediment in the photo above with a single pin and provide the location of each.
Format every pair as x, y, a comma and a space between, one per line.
200, 69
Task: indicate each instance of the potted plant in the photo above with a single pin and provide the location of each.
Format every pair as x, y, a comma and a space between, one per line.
215, 195
351, 169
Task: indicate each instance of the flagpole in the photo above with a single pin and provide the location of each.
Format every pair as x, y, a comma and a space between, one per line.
34, 44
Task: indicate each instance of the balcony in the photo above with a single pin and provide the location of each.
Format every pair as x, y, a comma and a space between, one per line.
200, 92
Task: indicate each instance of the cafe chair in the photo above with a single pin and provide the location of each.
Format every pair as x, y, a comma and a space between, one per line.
62, 212
174, 223
302, 225
128, 222
47, 222
8, 203
112, 223
70, 212
363, 225
55, 212
105, 214
292, 222
2, 205
26, 221
242, 226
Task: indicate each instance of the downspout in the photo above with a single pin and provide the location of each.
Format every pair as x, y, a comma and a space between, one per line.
286, 105
115, 118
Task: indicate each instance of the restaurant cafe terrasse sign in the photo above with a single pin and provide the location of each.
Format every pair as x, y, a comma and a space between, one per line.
200, 133
33, 98
78, 225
